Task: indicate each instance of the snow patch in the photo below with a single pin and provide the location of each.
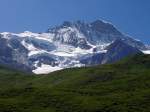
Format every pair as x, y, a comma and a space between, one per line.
65, 54
30, 47
146, 52
45, 69
35, 52
27, 34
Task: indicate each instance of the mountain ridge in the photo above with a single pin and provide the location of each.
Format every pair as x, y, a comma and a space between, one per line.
63, 46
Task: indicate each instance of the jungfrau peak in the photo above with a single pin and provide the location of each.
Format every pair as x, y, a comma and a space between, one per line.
72, 44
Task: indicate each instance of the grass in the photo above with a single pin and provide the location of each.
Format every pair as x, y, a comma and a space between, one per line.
120, 87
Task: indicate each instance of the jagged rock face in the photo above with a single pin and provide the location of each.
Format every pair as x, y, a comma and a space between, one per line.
97, 32
72, 44
40, 44
4, 49
117, 51
105, 28
13, 54
94, 59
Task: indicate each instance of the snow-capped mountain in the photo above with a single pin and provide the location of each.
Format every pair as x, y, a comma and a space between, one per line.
72, 44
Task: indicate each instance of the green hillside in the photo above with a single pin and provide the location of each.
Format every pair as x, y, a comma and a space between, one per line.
119, 87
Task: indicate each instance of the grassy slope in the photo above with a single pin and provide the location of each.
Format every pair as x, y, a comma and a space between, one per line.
120, 87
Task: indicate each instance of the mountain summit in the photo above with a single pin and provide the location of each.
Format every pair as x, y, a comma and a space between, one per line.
72, 44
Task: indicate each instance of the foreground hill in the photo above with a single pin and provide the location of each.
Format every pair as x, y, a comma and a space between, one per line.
119, 87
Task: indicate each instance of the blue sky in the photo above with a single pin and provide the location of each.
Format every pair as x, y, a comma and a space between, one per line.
129, 16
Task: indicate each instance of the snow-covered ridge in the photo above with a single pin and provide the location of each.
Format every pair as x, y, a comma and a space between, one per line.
67, 54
